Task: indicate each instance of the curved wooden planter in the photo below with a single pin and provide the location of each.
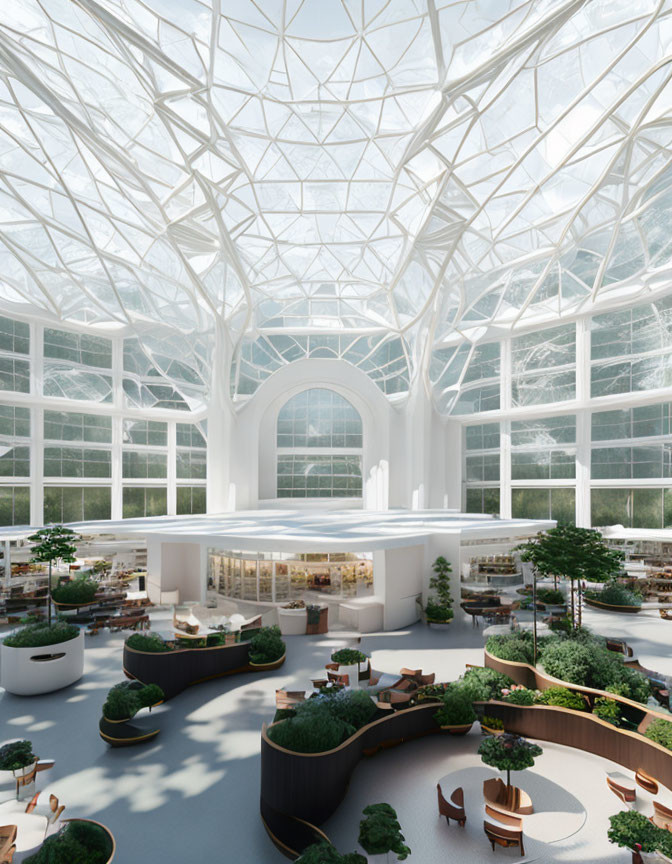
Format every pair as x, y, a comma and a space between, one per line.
123, 733
488, 730
610, 607
459, 729
176, 670
105, 829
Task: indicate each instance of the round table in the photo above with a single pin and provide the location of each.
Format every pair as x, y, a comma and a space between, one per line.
30, 828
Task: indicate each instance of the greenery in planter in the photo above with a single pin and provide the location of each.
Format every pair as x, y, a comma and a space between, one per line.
325, 853
492, 722
16, 755
39, 635
574, 554
630, 827
75, 592
124, 700
508, 753
456, 708
440, 606
78, 842
267, 645
54, 543
348, 657
561, 697
616, 595
481, 684
380, 832
324, 721
520, 697
150, 642
514, 647
607, 709
551, 596
660, 731
313, 615
431, 692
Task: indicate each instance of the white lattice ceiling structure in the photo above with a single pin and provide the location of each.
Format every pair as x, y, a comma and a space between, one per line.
370, 179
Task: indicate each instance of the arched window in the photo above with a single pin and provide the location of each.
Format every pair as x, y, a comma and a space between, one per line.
319, 444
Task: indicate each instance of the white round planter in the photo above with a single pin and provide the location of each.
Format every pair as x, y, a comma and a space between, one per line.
30, 671
292, 621
353, 674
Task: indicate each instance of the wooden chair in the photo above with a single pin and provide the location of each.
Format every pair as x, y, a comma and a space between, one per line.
184, 620
647, 783
51, 812
393, 699
285, 699
426, 679
410, 673
666, 614
627, 794
506, 831
453, 809
7, 843
335, 678
662, 816
251, 624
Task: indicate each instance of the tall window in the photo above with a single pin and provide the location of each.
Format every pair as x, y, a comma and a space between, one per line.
319, 441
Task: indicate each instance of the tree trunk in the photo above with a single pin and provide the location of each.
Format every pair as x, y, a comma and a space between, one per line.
534, 612
571, 589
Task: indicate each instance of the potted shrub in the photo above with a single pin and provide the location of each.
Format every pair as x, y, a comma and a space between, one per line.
123, 702
266, 647
349, 663
508, 753
16, 760
439, 608
292, 618
41, 657
380, 834
77, 592
491, 725
325, 853
79, 840
456, 713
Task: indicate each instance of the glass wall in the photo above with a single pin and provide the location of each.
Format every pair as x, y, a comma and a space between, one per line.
281, 577
62, 464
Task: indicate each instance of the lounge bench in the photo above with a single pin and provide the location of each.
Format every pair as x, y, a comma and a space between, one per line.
504, 831
510, 799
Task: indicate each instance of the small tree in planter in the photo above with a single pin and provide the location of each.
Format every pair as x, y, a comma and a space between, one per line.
54, 543
440, 607
509, 753
380, 832
456, 712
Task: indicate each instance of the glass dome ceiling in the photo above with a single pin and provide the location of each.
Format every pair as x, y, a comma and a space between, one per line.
377, 180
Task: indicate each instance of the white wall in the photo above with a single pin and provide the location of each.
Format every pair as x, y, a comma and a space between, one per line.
403, 578
173, 566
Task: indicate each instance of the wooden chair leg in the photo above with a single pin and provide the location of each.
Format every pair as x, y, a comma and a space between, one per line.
522, 848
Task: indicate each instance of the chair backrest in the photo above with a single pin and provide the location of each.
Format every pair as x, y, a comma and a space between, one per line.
623, 792
494, 789
410, 673
512, 835
427, 679
662, 815
338, 679
646, 782
505, 818
457, 797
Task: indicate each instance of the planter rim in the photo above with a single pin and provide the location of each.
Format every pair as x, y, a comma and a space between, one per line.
272, 663
612, 607
105, 829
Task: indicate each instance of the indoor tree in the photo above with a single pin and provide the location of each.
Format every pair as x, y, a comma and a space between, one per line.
53, 543
572, 553
508, 752
440, 606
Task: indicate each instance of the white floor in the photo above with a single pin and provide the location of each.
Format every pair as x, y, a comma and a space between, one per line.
194, 793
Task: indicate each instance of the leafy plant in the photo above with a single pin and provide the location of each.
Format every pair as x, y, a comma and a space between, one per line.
616, 595
551, 596
78, 842
492, 722
456, 708
608, 710
481, 684
124, 700
39, 635
440, 607
431, 692
380, 832
54, 543
569, 661
310, 731
75, 592
515, 647
267, 645
660, 731
630, 827
16, 755
520, 697
348, 657
354, 707
313, 617
508, 753
561, 697
325, 853
150, 642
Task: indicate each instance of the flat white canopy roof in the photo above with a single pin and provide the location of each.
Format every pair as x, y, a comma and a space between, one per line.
310, 530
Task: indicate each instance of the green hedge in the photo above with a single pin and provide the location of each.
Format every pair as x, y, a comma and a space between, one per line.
77, 842
266, 646
16, 755
456, 708
482, 684
660, 731
150, 642
561, 697
629, 827
616, 594
41, 635
75, 592
520, 697
514, 647
348, 657
124, 700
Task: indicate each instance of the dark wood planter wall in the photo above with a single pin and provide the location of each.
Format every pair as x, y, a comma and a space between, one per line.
610, 607
176, 670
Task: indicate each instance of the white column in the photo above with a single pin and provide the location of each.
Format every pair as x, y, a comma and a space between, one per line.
36, 426
172, 469
583, 423
117, 427
505, 431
